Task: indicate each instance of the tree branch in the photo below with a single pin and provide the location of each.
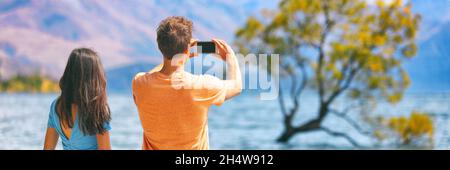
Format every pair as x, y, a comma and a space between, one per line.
340, 134
350, 121
293, 84
304, 79
328, 26
347, 83
344, 70
298, 92
281, 102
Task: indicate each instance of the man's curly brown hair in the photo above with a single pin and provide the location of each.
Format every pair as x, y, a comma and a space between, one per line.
174, 35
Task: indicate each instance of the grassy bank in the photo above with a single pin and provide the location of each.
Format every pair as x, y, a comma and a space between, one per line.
29, 84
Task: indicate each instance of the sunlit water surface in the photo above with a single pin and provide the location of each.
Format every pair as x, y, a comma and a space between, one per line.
242, 123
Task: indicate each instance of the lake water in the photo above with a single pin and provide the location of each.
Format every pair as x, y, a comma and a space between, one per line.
243, 123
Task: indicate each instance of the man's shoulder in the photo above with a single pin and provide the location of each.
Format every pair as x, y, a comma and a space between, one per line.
141, 77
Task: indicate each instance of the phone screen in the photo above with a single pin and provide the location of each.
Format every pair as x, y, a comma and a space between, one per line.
206, 47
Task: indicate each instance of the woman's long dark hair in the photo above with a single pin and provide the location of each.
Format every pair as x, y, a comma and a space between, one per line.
84, 84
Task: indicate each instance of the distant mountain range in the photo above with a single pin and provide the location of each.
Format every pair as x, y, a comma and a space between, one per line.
36, 36
119, 79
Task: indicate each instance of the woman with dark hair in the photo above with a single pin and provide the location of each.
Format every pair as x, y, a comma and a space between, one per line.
80, 115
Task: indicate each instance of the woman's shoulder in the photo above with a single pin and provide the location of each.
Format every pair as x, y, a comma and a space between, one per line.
52, 114
53, 105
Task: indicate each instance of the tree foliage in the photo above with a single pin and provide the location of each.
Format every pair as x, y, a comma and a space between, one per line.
29, 84
417, 125
415, 130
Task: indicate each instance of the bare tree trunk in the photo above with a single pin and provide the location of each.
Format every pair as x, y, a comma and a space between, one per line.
290, 130
288, 133
312, 125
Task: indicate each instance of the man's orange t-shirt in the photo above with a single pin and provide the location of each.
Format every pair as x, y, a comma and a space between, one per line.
174, 109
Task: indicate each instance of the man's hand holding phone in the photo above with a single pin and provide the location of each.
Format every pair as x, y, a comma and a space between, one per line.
216, 46
234, 80
223, 49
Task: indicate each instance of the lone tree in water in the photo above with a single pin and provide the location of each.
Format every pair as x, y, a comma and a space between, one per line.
340, 49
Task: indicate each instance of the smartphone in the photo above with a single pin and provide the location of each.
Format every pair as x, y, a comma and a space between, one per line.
206, 47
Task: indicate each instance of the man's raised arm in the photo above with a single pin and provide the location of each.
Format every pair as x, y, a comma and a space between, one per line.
234, 80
